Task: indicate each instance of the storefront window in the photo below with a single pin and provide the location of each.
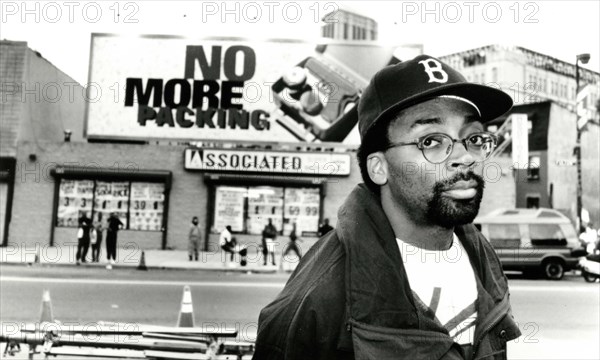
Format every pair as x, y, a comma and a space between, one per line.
75, 197
229, 208
147, 206
302, 208
249, 209
139, 205
264, 203
111, 197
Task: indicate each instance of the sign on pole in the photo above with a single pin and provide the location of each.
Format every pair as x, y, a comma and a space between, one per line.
520, 141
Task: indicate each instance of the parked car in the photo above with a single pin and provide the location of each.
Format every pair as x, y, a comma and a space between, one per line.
532, 240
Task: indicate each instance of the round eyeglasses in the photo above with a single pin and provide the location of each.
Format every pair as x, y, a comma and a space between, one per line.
437, 147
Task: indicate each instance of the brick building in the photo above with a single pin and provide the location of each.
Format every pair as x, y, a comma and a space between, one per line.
39, 103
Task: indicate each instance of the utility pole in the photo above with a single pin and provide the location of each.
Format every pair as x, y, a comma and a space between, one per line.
584, 58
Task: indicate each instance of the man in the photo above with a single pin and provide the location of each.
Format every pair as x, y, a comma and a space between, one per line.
292, 246
226, 242
114, 225
269, 235
194, 238
405, 275
83, 238
325, 227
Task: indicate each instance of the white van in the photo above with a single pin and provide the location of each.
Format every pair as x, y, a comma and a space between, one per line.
531, 240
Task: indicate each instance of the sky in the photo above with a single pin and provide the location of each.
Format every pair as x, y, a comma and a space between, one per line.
61, 30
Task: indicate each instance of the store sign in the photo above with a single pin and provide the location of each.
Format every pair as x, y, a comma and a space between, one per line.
160, 87
273, 162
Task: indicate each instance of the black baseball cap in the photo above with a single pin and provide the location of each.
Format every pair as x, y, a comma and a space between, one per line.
408, 83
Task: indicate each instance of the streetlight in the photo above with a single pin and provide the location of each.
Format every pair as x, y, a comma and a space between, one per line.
584, 58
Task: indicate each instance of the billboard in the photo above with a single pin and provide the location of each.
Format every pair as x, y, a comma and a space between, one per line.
230, 89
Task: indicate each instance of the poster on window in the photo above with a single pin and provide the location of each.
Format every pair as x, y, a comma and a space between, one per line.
229, 208
111, 197
264, 203
146, 207
302, 209
74, 198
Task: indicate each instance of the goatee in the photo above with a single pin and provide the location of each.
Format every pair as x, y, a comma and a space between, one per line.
449, 213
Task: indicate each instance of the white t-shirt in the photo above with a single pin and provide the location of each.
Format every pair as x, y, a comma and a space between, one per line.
225, 237
445, 282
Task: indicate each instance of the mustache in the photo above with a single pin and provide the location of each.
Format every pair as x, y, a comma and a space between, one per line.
440, 186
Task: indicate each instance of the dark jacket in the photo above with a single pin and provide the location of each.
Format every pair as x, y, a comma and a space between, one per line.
85, 223
349, 298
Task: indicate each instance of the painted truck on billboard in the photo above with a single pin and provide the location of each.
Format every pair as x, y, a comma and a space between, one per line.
160, 87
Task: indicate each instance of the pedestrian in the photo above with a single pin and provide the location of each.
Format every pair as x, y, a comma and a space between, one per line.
324, 228
194, 237
405, 274
269, 235
94, 241
83, 238
589, 238
99, 228
292, 245
114, 225
226, 242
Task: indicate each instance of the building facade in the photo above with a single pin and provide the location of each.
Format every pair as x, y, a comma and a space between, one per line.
527, 76
544, 88
239, 145
345, 25
550, 178
39, 104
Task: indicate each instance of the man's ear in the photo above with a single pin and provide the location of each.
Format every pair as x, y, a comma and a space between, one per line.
377, 168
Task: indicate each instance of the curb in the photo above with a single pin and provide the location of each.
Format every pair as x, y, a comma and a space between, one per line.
150, 267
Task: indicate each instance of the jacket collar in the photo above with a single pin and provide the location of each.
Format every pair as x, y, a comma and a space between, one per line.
377, 287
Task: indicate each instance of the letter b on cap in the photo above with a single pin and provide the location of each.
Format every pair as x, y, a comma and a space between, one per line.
433, 67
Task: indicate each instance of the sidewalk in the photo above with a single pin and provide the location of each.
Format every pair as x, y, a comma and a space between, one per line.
153, 259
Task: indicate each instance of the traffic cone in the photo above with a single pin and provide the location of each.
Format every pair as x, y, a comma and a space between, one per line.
186, 315
142, 265
46, 315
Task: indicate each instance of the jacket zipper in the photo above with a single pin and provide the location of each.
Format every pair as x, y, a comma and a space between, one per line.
487, 329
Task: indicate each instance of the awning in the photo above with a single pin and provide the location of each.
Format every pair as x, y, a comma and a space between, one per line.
112, 174
273, 180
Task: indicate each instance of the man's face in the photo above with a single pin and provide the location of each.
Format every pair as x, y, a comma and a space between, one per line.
446, 194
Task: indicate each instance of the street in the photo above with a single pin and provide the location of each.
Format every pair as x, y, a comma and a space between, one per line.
559, 320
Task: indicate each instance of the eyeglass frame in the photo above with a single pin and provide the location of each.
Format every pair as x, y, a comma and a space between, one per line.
419, 143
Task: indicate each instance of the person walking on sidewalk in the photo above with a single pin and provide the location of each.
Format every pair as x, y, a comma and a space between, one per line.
114, 225
269, 235
292, 245
375, 287
194, 238
83, 238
